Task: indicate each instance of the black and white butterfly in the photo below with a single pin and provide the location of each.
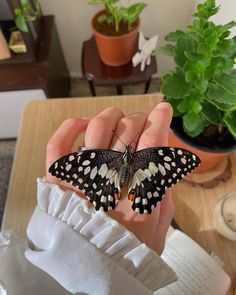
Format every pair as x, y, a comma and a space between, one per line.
101, 174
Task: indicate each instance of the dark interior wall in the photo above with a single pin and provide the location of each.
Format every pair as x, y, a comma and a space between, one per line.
5, 13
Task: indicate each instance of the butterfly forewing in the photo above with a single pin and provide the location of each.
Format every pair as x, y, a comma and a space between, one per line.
95, 172
155, 169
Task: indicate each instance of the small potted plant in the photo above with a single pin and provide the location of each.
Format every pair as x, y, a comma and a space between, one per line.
116, 30
26, 14
202, 87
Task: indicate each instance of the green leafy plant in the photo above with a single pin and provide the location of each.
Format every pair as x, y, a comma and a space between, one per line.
117, 13
202, 88
26, 13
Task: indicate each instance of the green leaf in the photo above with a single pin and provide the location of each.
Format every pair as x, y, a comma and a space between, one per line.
221, 106
218, 93
193, 124
134, 11
168, 49
203, 48
175, 86
174, 36
185, 105
183, 44
230, 121
211, 113
174, 103
196, 107
21, 23
224, 28
201, 85
228, 82
212, 40
24, 2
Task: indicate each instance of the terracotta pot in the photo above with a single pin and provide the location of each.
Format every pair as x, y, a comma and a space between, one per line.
115, 50
209, 157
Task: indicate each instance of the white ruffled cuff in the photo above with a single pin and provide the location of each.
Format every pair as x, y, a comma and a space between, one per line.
108, 236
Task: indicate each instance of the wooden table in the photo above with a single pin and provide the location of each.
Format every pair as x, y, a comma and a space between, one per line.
194, 206
97, 73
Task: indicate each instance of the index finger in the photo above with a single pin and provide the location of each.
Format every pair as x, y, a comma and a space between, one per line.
62, 141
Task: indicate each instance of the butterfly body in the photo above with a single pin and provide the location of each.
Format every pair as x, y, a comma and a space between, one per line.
101, 174
125, 167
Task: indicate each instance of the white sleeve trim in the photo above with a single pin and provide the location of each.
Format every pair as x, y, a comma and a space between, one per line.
106, 234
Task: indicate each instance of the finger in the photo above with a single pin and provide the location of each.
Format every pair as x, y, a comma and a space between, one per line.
157, 127
62, 141
100, 129
127, 129
167, 209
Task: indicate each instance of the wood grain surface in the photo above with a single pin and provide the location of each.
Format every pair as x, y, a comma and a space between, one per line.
194, 206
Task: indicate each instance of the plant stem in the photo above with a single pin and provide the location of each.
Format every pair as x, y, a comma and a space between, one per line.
220, 129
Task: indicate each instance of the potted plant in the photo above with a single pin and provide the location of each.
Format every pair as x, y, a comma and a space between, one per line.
26, 14
202, 87
116, 30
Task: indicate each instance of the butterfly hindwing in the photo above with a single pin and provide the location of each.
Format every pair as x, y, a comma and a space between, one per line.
94, 172
155, 169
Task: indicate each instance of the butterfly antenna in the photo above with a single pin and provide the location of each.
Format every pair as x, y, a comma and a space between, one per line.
118, 137
136, 136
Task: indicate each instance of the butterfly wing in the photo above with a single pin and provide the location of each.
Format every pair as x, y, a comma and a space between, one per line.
95, 172
155, 169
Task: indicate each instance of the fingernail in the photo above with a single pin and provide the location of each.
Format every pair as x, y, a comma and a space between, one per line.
163, 105
87, 118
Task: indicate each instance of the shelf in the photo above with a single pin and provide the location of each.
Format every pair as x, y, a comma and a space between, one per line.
7, 26
47, 71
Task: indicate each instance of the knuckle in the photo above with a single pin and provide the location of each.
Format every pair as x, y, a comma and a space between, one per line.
70, 122
113, 110
98, 123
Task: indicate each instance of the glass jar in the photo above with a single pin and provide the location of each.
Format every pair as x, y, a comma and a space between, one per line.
225, 216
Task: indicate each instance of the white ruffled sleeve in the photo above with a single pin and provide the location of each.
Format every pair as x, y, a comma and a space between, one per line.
87, 251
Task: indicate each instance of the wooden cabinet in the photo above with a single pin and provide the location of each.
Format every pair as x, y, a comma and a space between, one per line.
39, 73
47, 70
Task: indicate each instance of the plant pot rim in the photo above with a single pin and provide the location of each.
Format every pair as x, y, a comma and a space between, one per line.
108, 36
187, 139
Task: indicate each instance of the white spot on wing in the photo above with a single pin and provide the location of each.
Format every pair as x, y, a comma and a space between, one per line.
137, 200
86, 163
160, 152
103, 170
155, 194
144, 201
183, 160
71, 158
103, 199
110, 198
162, 169
167, 159
179, 152
92, 155
148, 173
153, 168
149, 195
93, 172
167, 166
94, 185
87, 170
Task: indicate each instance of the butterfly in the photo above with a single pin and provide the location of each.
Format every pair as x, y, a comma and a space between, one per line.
101, 174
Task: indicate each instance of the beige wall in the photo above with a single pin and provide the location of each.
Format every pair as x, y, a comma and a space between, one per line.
73, 24
160, 17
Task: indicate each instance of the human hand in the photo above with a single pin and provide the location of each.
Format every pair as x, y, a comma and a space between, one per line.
153, 131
